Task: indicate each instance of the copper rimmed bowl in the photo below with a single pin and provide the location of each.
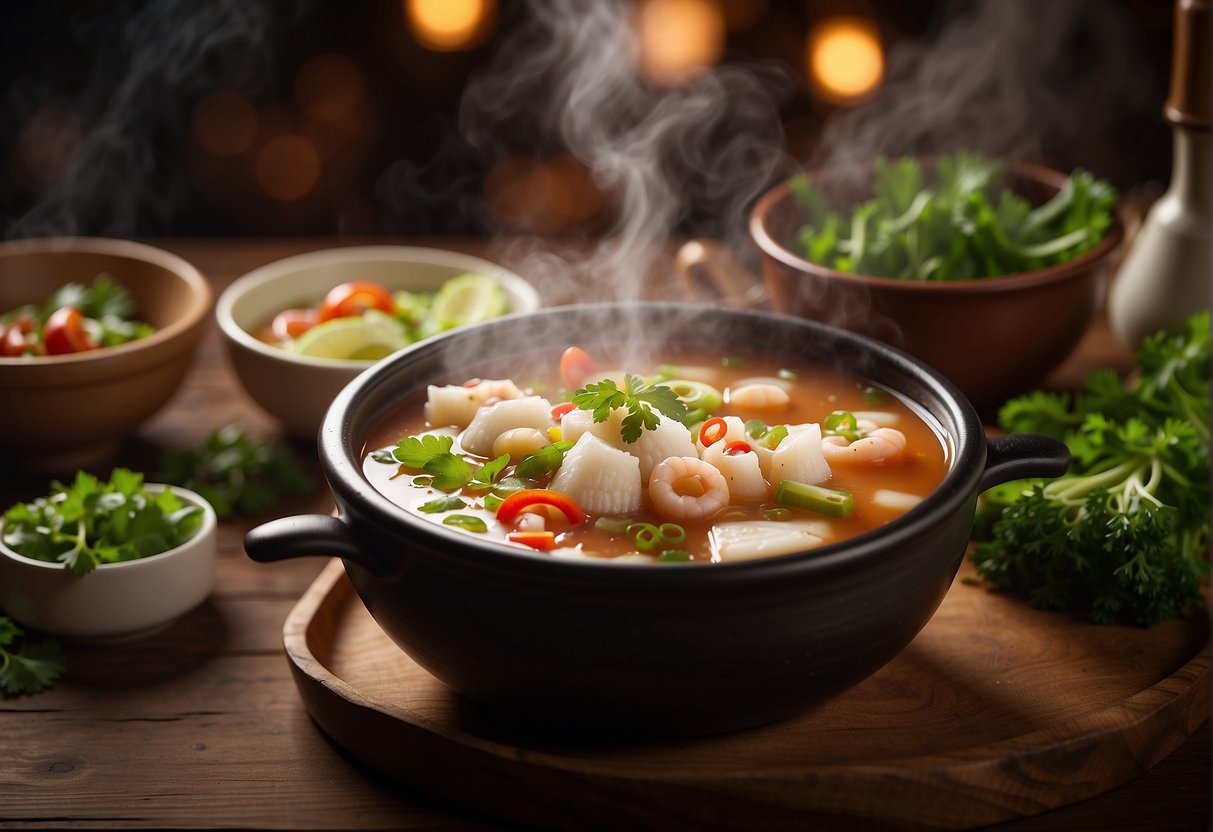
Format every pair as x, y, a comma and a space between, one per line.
993, 337
634, 648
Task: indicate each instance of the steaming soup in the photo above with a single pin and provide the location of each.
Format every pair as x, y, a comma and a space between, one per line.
692, 460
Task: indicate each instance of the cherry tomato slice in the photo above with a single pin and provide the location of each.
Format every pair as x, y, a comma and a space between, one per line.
351, 299
292, 323
575, 366
513, 505
63, 332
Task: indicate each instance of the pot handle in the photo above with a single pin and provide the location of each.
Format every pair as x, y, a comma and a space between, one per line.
307, 535
709, 272
1023, 455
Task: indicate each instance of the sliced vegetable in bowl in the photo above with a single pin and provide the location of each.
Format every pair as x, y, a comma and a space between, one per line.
76, 318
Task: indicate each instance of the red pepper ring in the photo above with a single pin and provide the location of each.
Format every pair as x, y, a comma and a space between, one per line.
514, 504
559, 411
713, 430
737, 448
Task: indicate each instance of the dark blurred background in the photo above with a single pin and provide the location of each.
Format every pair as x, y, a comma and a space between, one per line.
254, 117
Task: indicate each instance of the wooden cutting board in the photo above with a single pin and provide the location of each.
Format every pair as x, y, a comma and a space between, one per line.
995, 711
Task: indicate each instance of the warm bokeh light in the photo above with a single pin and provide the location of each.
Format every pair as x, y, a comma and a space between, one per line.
225, 124
288, 167
845, 60
329, 87
542, 197
450, 25
679, 39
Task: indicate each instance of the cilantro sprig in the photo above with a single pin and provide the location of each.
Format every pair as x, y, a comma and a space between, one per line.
639, 398
432, 453
236, 473
27, 666
91, 522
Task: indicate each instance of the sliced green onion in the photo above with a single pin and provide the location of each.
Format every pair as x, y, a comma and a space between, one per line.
777, 514
842, 423
696, 395
613, 525
645, 535
674, 556
664, 372
465, 521
672, 533
833, 502
774, 436
730, 361
695, 417
787, 375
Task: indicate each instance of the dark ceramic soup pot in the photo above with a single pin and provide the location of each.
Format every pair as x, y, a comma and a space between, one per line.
650, 650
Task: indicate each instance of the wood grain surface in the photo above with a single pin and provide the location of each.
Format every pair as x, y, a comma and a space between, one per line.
201, 725
995, 711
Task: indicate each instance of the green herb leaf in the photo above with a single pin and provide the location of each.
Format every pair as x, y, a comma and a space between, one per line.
638, 398
415, 451
236, 473
442, 504
30, 667
544, 461
450, 471
466, 521
486, 475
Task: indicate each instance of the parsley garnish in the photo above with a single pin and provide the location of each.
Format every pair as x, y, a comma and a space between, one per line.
91, 522
28, 667
486, 475
637, 397
235, 473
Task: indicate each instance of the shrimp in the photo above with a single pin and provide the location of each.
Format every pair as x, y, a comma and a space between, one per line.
687, 488
879, 445
759, 396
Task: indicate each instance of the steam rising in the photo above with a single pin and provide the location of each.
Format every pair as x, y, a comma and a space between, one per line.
123, 178
567, 78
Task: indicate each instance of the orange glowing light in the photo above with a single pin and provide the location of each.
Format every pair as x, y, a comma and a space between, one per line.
225, 124
288, 167
329, 87
450, 25
679, 39
845, 60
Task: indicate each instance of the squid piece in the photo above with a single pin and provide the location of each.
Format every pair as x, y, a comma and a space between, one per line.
492, 421
750, 539
742, 472
456, 404
799, 457
602, 479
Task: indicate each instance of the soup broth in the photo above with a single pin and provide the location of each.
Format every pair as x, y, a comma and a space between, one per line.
763, 459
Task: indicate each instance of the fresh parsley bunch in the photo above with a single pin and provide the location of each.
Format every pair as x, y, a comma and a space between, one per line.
1125, 533
235, 473
954, 222
27, 666
91, 522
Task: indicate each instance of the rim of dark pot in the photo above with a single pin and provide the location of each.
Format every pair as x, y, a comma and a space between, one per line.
369, 397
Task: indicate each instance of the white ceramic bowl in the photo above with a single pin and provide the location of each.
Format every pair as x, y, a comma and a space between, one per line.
298, 389
115, 601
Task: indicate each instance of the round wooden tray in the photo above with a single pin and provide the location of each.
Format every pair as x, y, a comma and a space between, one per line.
995, 711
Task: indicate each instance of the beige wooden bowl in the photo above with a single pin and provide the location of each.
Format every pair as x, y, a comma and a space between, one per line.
298, 389
63, 412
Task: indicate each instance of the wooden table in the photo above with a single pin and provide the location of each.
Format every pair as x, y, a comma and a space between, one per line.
201, 725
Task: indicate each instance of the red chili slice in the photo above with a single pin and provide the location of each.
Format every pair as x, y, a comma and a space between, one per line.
560, 410
513, 505
737, 448
713, 430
